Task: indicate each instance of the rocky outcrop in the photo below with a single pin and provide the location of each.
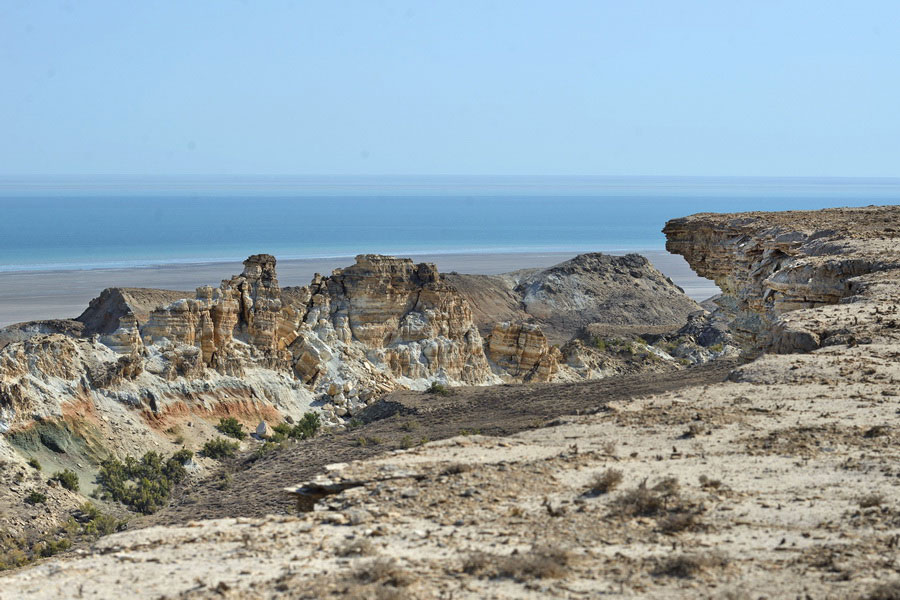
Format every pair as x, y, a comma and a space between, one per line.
403, 317
522, 351
788, 278
335, 345
590, 288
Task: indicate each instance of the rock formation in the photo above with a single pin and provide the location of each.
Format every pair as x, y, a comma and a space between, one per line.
788, 277
590, 288
522, 351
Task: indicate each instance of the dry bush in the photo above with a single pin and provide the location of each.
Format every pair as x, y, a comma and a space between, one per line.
648, 502
385, 571
885, 591
676, 522
870, 500
539, 563
688, 565
357, 547
706, 482
456, 468
605, 482
877, 431
693, 430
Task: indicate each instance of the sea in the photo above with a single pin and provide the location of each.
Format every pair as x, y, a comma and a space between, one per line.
76, 223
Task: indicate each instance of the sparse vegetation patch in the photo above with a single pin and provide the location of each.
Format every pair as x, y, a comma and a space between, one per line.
220, 448
229, 426
142, 485
67, 479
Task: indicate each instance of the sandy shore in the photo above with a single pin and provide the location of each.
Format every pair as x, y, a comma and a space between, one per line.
32, 295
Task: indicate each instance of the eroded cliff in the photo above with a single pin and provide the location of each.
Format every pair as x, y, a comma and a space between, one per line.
789, 277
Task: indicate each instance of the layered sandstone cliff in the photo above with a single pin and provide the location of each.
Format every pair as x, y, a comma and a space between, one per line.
251, 348
789, 277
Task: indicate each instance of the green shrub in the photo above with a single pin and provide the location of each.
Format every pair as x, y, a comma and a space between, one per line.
439, 389
266, 448
183, 456
67, 479
220, 448
34, 464
230, 427
143, 485
95, 523
51, 547
86, 525
35, 498
308, 426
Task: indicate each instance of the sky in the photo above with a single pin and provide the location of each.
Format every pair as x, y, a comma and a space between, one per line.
518, 88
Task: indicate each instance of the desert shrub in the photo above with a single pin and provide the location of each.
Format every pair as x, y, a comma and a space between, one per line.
357, 547
265, 449
224, 481
86, 525
220, 448
384, 571
308, 426
370, 440
681, 520
605, 482
648, 502
48, 548
706, 482
687, 565
457, 468
67, 479
693, 430
143, 485
539, 563
34, 464
407, 441
95, 523
229, 426
877, 431
439, 389
885, 591
354, 423
871, 500
183, 456
35, 497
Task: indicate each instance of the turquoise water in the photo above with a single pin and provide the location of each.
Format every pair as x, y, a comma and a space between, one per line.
79, 225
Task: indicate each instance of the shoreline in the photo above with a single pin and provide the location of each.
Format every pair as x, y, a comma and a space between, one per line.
45, 294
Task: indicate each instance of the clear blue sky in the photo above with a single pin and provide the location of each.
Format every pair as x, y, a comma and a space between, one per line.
669, 87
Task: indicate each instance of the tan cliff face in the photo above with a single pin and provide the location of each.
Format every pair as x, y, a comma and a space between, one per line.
789, 277
522, 351
400, 315
335, 345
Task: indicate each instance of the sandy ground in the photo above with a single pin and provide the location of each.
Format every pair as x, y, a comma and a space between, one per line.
32, 295
780, 485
